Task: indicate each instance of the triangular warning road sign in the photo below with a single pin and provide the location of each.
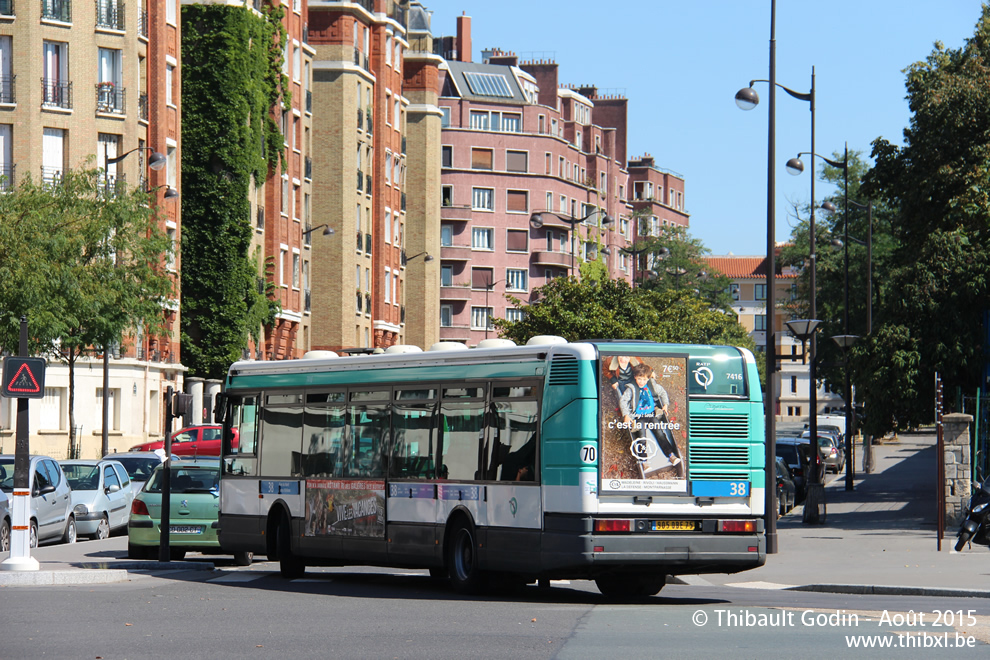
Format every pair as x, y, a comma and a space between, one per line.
23, 377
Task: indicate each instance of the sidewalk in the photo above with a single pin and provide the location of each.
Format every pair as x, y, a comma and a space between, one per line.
877, 538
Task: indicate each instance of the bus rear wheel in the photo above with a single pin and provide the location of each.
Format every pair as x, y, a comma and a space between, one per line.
462, 561
629, 585
290, 566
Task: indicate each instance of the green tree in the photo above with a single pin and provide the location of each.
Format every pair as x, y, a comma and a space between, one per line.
932, 314
675, 260
611, 309
83, 264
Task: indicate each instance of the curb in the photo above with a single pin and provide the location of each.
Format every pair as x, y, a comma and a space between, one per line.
97, 573
878, 590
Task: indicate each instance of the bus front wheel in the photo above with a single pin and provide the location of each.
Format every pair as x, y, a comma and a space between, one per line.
462, 561
290, 566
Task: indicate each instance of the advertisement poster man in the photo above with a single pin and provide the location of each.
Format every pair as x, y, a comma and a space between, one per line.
644, 423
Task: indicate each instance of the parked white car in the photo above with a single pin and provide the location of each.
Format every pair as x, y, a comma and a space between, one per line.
101, 496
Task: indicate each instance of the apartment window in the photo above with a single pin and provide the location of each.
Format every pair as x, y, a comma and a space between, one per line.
760, 292
479, 120
481, 159
388, 167
482, 278
623, 262
446, 316
53, 155
296, 61
444, 117
388, 226
446, 235
171, 167
388, 50
447, 156
624, 227
388, 285
446, 276
6, 73
578, 140
481, 318
6, 157
517, 201
447, 195
483, 199
56, 90
793, 384
295, 270
516, 279
397, 114
285, 196
516, 240
170, 12
516, 161
760, 322
482, 238
514, 315
283, 253
561, 167
511, 123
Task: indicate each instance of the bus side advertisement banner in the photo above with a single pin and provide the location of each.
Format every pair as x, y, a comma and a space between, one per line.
337, 507
644, 415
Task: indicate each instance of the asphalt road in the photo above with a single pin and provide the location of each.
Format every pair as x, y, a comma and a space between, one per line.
370, 613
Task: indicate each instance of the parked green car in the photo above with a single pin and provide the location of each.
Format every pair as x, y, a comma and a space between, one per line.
193, 515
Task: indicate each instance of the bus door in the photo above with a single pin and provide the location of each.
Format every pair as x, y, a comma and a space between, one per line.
461, 432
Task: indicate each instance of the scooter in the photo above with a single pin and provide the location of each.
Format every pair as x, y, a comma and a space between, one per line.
976, 526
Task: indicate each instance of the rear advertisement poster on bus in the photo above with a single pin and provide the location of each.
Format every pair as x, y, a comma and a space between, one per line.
345, 508
644, 423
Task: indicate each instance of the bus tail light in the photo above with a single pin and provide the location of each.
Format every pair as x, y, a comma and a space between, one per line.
737, 526
613, 525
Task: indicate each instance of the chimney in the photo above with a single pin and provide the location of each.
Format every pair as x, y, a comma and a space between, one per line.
464, 38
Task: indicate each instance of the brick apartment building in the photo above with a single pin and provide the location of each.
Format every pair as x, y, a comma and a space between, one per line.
95, 80
516, 143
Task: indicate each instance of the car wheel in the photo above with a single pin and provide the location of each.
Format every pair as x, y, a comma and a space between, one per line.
70, 531
462, 560
243, 558
5, 536
33, 534
103, 529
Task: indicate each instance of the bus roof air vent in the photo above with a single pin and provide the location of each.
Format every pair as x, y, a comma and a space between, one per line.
540, 340
496, 343
563, 370
448, 346
403, 348
319, 355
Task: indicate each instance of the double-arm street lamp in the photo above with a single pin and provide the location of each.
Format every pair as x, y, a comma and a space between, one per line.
536, 222
747, 99
156, 161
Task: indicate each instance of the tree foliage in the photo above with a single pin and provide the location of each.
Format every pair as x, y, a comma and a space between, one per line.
232, 80
83, 263
611, 309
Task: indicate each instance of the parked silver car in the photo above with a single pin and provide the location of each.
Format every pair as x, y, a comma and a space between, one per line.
4, 522
51, 498
101, 496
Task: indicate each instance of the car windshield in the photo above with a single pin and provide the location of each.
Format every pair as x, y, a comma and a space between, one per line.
187, 480
7, 475
139, 468
82, 477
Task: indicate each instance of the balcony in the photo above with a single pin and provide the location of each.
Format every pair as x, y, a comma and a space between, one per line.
459, 213
455, 253
7, 88
6, 7
110, 14
7, 171
143, 23
110, 98
360, 59
112, 185
56, 10
559, 259
56, 94
360, 299
452, 292
454, 333
51, 176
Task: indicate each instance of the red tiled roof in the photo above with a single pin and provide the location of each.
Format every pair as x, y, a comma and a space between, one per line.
744, 267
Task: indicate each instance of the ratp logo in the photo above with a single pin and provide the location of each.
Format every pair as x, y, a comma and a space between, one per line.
513, 506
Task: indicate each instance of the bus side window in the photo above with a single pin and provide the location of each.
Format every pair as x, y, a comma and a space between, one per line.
244, 419
514, 457
368, 439
460, 439
412, 453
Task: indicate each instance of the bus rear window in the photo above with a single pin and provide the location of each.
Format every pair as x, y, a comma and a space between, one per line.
718, 375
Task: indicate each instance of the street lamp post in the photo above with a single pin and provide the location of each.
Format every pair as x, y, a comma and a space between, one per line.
747, 99
488, 287
536, 222
156, 161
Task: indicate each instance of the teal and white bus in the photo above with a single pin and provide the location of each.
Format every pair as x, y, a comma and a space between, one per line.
617, 461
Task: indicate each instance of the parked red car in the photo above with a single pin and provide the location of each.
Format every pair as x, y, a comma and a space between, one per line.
198, 440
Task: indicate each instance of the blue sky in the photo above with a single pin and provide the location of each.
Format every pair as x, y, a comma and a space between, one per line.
681, 62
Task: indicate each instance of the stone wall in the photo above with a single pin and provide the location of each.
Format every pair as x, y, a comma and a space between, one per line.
958, 467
